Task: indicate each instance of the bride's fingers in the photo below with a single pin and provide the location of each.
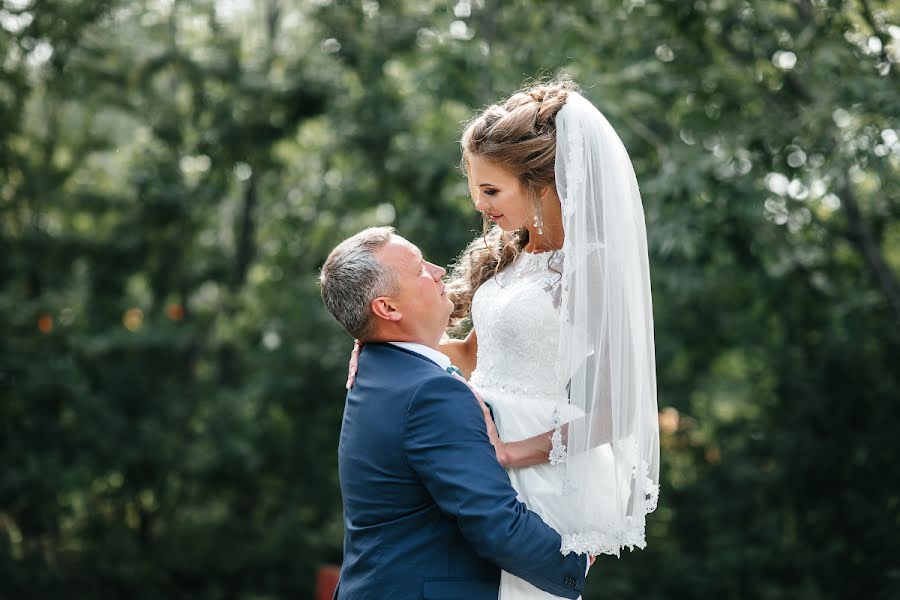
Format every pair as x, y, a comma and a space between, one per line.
493, 435
485, 410
353, 364
484, 407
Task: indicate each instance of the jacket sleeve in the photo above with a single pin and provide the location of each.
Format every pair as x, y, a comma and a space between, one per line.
447, 445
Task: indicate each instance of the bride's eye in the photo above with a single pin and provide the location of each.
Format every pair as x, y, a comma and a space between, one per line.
490, 192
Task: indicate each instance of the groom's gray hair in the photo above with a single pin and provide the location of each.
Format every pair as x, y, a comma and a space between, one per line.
352, 277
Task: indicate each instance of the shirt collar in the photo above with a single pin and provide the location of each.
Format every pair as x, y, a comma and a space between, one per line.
442, 360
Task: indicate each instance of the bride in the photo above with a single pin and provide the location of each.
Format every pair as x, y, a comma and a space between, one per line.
561, 345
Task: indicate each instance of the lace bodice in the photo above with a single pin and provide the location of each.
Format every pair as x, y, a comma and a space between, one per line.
516, 316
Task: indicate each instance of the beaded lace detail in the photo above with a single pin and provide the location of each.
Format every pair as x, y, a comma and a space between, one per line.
516, 316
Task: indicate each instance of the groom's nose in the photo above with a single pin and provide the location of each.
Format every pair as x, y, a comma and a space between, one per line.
436, 271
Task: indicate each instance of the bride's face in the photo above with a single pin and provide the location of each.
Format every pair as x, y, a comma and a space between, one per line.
498, 194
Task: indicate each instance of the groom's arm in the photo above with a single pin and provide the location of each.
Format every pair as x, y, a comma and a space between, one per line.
447, 445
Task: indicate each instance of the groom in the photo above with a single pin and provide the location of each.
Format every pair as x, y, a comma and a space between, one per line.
429, 513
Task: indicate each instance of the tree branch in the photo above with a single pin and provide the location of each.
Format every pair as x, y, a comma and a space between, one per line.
246, 235
861, 236
648, 135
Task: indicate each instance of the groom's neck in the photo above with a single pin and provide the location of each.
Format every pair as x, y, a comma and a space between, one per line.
404, 336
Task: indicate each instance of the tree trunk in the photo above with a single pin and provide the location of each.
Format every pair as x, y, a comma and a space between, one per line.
862, 238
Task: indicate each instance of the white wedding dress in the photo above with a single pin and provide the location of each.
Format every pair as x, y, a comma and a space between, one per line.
516, 318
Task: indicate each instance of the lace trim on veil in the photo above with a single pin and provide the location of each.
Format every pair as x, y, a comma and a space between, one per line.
611, 539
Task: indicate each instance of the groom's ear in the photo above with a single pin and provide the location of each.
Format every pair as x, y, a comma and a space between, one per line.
384, 308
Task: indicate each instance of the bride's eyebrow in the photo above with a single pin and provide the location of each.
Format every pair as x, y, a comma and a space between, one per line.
486, 184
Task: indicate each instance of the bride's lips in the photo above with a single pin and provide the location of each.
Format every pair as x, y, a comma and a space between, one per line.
495, 218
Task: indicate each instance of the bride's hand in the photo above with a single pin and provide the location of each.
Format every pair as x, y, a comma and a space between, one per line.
354, 363
498, 444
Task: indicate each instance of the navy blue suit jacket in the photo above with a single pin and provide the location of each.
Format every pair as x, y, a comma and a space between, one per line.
429, 513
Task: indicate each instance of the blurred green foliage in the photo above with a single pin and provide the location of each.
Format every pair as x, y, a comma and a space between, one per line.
173, 173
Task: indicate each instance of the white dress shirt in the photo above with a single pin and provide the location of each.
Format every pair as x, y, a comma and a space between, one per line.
442, 360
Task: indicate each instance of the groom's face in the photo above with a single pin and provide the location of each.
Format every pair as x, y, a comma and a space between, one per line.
420, 298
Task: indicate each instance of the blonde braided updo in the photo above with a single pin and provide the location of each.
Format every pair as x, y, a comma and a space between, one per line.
518, 135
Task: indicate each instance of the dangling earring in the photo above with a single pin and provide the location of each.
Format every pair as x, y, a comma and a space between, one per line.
539, 221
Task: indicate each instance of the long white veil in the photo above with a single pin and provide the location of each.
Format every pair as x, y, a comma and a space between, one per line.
607, 435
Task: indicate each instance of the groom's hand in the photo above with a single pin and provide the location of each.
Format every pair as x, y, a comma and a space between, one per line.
591, 559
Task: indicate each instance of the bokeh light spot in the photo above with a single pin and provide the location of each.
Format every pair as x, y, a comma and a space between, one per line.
45, 323
784, 60
175, 311
668, 419
133, 319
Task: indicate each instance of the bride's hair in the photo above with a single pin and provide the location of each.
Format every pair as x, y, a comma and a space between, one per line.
519, 135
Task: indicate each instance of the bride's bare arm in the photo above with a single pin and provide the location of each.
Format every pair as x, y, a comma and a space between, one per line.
536, 450
529, 452
463, 353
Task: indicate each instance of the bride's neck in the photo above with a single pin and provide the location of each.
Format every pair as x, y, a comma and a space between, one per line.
551, 240
553, 234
